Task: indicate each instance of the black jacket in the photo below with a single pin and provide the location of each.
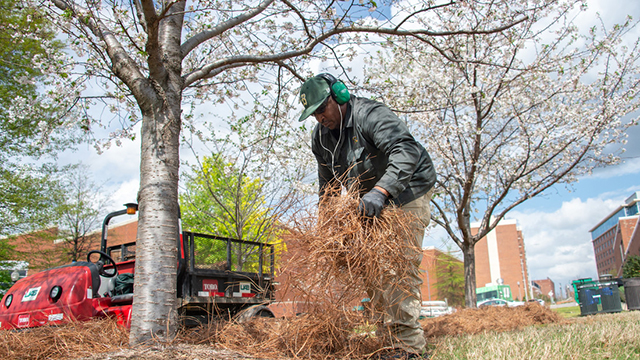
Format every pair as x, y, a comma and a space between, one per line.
377, 148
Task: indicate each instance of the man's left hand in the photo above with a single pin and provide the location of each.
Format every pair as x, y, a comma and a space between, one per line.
372, 203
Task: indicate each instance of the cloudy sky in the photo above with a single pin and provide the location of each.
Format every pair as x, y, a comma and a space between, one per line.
555, 226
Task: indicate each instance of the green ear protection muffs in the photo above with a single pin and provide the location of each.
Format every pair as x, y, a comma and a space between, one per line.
339, 91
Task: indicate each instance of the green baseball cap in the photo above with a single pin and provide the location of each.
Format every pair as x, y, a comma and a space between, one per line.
312, 94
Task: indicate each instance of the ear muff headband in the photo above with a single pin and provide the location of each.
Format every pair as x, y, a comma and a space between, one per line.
339, 91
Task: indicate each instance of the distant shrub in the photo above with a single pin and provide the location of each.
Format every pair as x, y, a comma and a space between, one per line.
631, 268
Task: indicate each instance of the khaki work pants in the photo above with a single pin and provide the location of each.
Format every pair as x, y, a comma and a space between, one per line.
400, 299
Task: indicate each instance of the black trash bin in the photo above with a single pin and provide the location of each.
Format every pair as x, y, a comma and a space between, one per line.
610, 297
632, 293
589, 296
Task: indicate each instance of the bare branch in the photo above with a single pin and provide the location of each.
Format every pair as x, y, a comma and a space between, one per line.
201, 37
421, 11
122, 65
255, 59
302, 18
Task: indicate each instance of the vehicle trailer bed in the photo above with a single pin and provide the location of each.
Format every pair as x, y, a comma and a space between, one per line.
242, 278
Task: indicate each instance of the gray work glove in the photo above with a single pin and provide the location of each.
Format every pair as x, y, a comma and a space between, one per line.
372, 203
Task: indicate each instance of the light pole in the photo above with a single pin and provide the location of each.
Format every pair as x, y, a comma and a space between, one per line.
428, 285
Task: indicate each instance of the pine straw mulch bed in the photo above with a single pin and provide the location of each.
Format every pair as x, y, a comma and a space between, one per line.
490, 318
258, 339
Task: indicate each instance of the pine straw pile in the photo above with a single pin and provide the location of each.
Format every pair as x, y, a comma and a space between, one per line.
302, 337
490, 318
298, 337
308, 337
72, 340
332, 259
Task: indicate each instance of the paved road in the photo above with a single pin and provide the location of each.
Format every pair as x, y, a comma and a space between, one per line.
556, 306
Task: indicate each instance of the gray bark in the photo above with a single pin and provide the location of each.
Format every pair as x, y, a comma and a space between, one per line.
469, 275
155, 302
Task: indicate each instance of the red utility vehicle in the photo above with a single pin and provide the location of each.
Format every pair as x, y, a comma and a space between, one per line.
85, 289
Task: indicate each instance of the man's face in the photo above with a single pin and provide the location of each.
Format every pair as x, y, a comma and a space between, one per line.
330, 116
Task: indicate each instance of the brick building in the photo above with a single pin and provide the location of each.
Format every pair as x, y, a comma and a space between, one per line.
615, 237
544, 287
501, 257
40, 249
46, 249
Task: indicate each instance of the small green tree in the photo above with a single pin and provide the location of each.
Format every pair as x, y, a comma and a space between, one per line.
26, 198
450, 275
58, 232
220, 199
631, 268
6, 253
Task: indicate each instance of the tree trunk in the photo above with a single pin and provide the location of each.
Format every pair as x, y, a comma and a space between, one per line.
154, 312
469, 254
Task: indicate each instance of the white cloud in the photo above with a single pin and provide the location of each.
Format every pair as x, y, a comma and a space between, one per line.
558, 243
629, 166
115, 164
124, 192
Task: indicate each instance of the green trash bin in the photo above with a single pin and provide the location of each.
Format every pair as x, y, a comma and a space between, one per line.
589, 296
610, 297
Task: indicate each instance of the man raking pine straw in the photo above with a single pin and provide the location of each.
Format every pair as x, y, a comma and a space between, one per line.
334, 259
340, 257
364, 143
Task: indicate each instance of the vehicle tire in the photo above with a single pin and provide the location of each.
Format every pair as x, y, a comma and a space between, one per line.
253, 312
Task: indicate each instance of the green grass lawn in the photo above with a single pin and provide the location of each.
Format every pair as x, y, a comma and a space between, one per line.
568, 312
602, 336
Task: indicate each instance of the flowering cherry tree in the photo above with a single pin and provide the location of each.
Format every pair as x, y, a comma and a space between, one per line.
151, 57
506, 116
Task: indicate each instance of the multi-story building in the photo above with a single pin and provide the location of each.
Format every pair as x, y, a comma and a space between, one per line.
616, 236
545, 287
501, 258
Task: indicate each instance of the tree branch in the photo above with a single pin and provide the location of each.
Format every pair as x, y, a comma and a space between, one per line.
201, 37
255, 59
121, 64
421, 11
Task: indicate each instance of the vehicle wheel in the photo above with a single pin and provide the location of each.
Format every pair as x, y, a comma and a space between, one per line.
252, 312
265, 314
